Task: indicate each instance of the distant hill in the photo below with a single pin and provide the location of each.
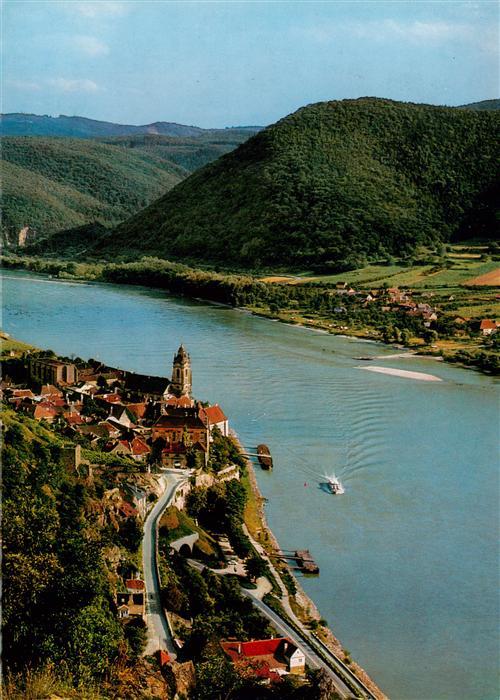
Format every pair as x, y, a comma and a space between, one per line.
53, 184
328, 185
189, 153
19, 124
487, 105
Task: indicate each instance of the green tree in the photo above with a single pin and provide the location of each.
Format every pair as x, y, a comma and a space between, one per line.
255, 567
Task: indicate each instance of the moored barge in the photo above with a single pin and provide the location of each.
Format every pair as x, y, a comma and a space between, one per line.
264, 457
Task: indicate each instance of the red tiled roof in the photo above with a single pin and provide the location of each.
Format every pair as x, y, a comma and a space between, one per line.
139, 447
215, 414
74, 418
487, 324
247, 658
127, 510
138, 409
57, 402
163, 657
136, 584
50, 389
111, 398
258, 647
181, 402
44, 411
22, 393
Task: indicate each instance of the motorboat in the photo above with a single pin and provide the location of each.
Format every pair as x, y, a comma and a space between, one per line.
335, 486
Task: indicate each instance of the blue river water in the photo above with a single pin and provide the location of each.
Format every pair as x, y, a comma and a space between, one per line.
409, 554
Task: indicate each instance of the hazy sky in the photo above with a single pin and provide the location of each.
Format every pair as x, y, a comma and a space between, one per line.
249, 62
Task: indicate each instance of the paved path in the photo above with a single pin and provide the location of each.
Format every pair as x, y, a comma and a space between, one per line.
313, 660
306, 634
159, 634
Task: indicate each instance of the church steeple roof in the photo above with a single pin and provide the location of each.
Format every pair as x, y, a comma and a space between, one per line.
181, 355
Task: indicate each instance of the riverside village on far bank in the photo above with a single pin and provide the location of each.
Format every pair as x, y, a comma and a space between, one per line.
177, 495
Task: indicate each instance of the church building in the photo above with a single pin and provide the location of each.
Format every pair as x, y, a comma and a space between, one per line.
181, 384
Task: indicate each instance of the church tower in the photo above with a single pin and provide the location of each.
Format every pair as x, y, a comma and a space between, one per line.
181, 374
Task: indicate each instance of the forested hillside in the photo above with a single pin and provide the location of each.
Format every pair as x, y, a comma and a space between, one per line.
57, 599
485, 105
51, 183
330, 185
56, 184
190, 153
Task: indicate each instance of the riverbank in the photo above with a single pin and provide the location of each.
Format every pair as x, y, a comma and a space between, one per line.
303, 606
290, 304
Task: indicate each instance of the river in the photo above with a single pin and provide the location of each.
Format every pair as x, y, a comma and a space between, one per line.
409, 554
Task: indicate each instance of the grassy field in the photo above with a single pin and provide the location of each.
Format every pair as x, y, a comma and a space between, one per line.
460, 264
418, 276
9, 345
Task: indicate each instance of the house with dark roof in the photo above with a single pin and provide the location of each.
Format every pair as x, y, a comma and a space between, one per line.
146, 386
130, 604
121, 415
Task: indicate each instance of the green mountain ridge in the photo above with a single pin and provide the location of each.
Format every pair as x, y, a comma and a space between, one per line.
485, 105
50, 184
332, 183
188, 153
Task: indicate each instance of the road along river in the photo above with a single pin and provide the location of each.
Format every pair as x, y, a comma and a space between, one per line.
408, 555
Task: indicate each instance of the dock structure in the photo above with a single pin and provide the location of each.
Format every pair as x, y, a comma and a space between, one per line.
306, 562
302, 558
263, 454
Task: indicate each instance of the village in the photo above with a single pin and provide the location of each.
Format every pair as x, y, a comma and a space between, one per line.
423, 307
150, 419
128, 430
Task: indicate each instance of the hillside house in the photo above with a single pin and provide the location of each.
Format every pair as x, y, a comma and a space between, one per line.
139, 449
277, 656
184, 429
488, 326
134, 585
120, 414
131, 604
215, 417
42, 411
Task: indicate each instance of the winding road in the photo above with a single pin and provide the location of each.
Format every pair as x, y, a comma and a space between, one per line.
160, 635
159, 632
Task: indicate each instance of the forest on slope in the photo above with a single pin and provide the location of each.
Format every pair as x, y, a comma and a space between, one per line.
55, 184
52, 183
332, 184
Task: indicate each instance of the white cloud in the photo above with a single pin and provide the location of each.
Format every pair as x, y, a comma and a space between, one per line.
416, 32
74, 85
100, 8
90, 45
26, 85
